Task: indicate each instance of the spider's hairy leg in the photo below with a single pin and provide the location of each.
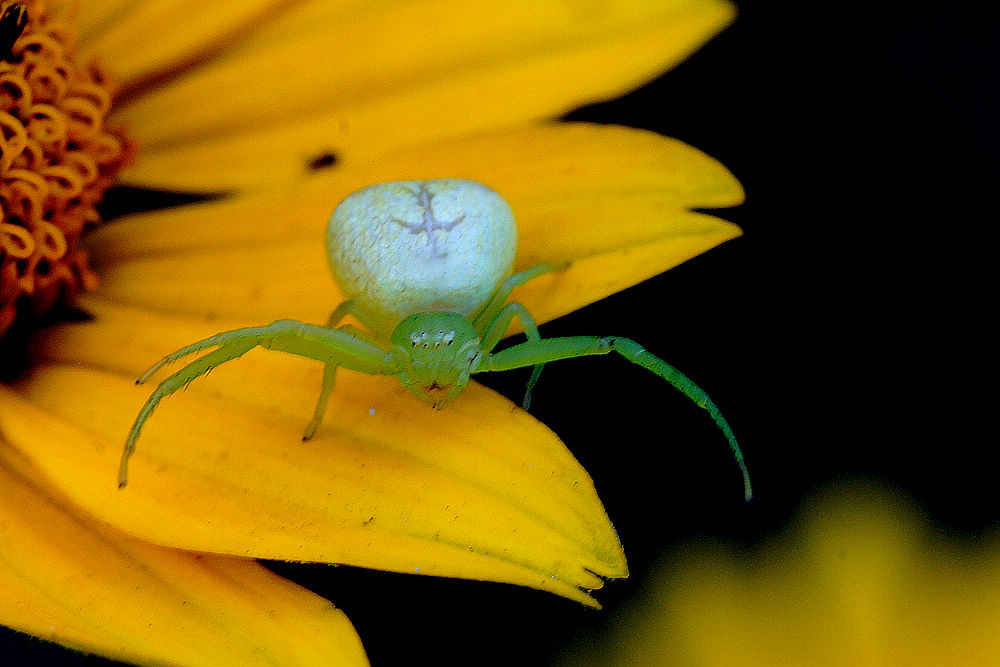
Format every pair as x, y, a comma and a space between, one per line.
176, 381
496, 329
330, 370
306, 340
538, 352
485, 318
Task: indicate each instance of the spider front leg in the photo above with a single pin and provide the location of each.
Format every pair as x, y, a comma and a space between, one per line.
536, 352
498, 327
490, 311
331, 346
330, 369
495, 317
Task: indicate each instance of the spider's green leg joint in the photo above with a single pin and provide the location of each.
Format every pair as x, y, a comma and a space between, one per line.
327, 345
330, 369
496, 330
492, 309
534, 353
486, 322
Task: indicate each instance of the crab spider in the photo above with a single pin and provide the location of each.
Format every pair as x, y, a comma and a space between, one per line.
425, 266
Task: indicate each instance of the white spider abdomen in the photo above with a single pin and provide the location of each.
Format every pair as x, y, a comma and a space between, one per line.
409, 247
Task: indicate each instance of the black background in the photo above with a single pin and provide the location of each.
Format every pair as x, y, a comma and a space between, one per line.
843, 335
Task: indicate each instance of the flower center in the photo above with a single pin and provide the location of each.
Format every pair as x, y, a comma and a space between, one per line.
56, 160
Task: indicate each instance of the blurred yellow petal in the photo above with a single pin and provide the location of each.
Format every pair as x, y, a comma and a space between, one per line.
66, 578
90, 17
480, 490
186, 30
614, 201
860, 580
378, 95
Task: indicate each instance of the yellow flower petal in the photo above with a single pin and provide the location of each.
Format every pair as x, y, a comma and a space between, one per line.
185, 32
89, 17
480, 490
494, 65
860, 580
71, 580
613, 201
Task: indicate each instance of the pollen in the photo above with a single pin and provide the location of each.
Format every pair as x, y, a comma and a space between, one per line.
57, 158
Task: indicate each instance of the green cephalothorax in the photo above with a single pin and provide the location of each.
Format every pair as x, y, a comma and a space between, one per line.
426, 268
437, 352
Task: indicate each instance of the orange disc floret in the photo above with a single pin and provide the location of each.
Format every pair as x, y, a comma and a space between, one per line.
56, 160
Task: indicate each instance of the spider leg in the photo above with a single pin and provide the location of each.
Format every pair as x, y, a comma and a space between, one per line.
534, 353
330, 370
329, 375
350, 308
489, 312
307, 340
496, 329
176, 381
